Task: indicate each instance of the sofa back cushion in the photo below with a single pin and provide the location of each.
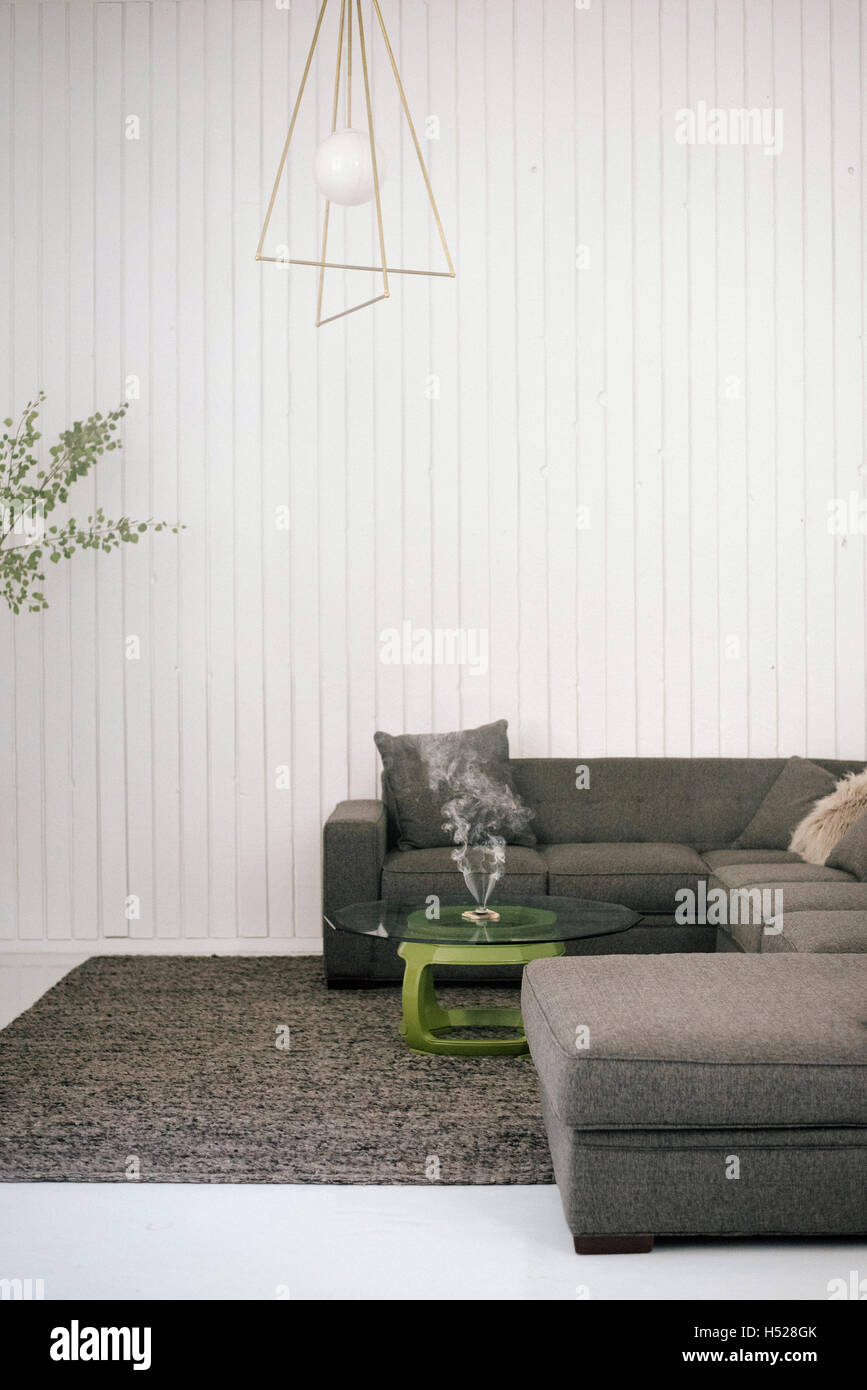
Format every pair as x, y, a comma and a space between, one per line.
850, 853
792, 797
703, 802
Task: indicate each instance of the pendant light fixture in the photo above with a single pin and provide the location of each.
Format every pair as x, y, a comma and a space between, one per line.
348, 167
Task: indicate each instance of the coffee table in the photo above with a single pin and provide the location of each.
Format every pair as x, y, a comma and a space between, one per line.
436, 932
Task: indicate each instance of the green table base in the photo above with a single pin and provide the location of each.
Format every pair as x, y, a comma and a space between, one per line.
424, 1022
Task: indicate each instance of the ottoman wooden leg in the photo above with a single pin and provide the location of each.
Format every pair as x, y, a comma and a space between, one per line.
613, 1245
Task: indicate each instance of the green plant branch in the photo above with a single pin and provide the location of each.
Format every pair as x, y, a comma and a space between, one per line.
26, 487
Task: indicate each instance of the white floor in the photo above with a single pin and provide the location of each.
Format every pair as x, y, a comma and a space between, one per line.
180, 1241
206, 1242
24, 978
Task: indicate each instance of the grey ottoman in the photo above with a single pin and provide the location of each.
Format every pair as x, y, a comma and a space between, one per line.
703, 1095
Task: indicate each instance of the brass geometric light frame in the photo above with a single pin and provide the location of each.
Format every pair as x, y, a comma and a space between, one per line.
323, 264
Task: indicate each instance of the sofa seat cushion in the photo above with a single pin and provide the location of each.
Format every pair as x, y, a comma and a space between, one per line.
715, 857
642, 876
772, 896
749, 875
819, 931
414, 873
700, 1041
809, 897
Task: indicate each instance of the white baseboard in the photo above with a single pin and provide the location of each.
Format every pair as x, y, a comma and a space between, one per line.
156, 946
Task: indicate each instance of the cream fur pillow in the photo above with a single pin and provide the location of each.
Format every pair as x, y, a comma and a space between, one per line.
830, 818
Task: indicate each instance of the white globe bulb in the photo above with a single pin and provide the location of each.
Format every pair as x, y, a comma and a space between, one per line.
343, 168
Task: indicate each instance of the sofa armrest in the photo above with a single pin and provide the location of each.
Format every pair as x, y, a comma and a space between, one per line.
355, 843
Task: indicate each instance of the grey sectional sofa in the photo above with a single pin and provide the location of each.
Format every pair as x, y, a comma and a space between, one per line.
720, 1088
641, 830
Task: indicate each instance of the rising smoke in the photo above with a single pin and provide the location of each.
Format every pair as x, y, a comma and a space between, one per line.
479, 810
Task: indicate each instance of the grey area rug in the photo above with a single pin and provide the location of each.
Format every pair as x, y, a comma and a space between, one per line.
168, 1067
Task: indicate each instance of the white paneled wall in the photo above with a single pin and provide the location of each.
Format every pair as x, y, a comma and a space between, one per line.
608, 448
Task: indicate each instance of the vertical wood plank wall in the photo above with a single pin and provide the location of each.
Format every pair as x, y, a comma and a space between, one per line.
610, 445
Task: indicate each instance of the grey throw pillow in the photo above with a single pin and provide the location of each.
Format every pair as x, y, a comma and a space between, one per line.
850, 853
443, 789
790, 798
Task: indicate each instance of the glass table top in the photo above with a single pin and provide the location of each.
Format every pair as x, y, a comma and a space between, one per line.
441, 921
